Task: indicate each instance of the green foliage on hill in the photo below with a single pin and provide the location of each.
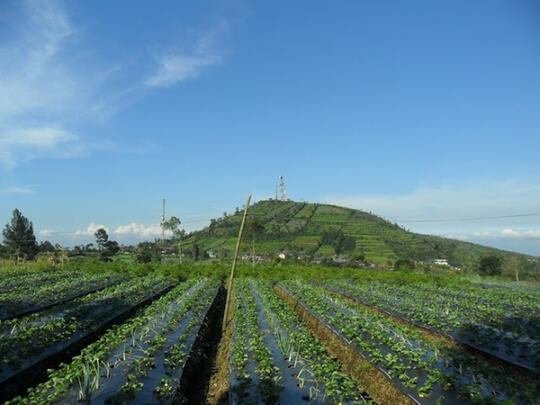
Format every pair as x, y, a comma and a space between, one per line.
319, 230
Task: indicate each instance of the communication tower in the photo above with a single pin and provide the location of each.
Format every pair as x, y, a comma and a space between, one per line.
163, 222
282, 189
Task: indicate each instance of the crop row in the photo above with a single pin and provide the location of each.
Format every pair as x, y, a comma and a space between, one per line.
254, 378
13, 280
37, 295
517, 298
276, 359
505, 309
484, 320
425, 371
28, 340
140, 361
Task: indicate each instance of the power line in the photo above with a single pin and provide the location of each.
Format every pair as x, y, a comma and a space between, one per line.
197, 219
531, 214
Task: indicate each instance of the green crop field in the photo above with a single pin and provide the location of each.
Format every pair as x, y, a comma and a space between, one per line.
153, 333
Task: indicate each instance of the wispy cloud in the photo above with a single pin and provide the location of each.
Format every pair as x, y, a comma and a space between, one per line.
51, 75
175, 66
40, 91
50, 83
35, 79
17, 190
29, 143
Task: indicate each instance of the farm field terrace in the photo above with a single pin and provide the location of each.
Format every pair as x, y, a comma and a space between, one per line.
129, 334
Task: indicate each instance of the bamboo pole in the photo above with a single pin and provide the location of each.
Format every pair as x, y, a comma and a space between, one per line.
230, 283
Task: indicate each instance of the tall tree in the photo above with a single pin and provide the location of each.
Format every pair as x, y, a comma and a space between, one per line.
19, 238
108, 248
172, 224
111, 248
196, 252
490, 265
347, 244
101, 238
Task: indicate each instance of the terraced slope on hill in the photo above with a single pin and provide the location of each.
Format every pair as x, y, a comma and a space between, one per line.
289, 226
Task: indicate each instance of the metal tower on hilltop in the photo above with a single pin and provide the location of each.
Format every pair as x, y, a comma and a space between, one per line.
282, 189
163, 222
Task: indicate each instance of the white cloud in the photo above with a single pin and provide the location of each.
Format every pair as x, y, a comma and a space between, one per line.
140, 230
17, 190
506, 233
133, 229
458, 236
509, 233
176, 66
90, 229
46, 232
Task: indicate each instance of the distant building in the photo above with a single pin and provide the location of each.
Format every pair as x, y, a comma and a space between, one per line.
442, 262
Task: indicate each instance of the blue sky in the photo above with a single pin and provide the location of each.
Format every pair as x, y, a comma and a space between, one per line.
414, 110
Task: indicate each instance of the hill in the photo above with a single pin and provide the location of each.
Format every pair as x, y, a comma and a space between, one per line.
310, 229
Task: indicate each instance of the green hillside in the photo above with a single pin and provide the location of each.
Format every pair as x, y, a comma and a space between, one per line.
306, 229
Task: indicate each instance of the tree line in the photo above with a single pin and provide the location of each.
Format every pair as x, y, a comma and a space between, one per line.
19, 243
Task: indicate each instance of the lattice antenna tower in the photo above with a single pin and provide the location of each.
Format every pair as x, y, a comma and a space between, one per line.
282, 189
163, 222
